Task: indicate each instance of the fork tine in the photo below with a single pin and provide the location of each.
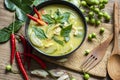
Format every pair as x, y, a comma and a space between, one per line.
93, 65
88, 62
86, 68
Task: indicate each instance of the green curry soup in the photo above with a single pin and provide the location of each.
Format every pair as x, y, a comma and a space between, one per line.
63, 33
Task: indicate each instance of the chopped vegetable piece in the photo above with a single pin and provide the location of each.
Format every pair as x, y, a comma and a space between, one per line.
86, 76
90, 37
87, 52
8, 68
93, 35
102, 30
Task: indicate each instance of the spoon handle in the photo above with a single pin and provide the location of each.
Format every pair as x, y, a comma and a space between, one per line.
116, 28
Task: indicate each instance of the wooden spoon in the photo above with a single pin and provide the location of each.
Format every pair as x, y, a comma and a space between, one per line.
113, 65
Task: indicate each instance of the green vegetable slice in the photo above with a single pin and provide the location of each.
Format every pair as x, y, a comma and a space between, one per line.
39, 32
57, 40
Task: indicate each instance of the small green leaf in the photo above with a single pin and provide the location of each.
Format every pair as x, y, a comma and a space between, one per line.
39, 32
65, 16
57, 40
4, 36
65, 32
47, 18
6, 31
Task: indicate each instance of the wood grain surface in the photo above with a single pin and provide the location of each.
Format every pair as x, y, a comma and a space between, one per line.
6, 19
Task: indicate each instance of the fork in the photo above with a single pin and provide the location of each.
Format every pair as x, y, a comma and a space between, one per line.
96, 55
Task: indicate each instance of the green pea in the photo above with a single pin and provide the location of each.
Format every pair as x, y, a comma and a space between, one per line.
107, 18
86, 76
8, 68
102, 30
101, 1
105, 1
83, 3
101, 6
96, 2
96, 10
87, 19
92, 21
87, 52
105, 14
93, 35
100, 14
72, 78
92, 7
90, 37
98, 22
82, 10
91, 13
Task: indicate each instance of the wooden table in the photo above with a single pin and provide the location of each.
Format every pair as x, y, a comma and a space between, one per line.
5, 20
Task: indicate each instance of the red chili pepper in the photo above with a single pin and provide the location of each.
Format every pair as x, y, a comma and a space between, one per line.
29, 50
37, 20
19, 61
36, 11
38, 60
24, 42
13, 48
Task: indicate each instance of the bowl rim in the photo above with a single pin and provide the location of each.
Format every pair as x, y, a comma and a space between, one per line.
60, 2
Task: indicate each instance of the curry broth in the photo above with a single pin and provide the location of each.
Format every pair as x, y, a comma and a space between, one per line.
49, 46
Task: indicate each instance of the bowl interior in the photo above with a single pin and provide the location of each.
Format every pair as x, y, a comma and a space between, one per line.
57, 2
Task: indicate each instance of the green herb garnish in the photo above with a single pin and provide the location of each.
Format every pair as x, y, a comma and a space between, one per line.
39, 32
65, 32
58, 17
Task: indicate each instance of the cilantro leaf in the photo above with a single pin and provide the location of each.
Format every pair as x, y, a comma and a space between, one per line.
39, 32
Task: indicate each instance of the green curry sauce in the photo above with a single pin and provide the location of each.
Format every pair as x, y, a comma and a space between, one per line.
63, 33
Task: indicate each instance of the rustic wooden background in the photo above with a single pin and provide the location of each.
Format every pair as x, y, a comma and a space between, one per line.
5, 19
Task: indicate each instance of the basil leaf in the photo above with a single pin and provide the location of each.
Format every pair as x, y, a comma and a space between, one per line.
21, 7
65, 32
6, 31
61, 18
39, 32
57, 40
65, 16
47, 18
4, 36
